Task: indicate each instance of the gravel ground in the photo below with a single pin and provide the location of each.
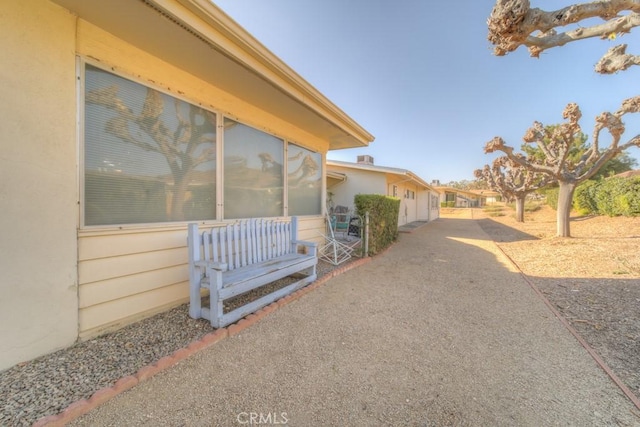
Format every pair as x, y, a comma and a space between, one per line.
47, 385
593, 278
439, 330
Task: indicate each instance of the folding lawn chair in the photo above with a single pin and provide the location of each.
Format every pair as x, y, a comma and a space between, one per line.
332, 250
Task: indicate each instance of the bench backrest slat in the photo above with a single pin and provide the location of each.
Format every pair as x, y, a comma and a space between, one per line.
206, 239
215, 239
236, 245
275, 243
254, 242
270, 238
245, 242
280, 238
262, 239
222, 234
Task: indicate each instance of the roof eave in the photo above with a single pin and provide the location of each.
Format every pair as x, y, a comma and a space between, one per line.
383, 169
273, 85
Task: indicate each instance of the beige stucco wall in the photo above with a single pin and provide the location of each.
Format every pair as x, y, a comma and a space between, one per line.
361, 181
423, 207
357, 182
38, 185
428, 205
408, 207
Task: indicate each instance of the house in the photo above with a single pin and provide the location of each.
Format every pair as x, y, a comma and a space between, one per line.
628, 174
419, 200
457, 198
488, 197
122, 121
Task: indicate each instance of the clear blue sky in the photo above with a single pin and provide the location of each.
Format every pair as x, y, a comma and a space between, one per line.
421, 77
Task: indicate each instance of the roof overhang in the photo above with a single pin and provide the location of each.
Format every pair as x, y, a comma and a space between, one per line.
198, 37
335, 178
457, 190
394, 175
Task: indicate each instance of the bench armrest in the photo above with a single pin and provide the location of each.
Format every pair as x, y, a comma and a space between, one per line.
221, 266
312, 247
306, 243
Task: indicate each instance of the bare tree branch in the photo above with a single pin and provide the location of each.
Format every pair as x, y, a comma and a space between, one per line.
616, 59
513, 23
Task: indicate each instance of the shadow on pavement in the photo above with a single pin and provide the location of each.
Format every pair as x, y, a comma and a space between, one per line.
503, 233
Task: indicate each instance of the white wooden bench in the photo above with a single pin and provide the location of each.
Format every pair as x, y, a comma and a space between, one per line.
237, 258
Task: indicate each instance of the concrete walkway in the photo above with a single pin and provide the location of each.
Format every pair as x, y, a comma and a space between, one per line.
438, 330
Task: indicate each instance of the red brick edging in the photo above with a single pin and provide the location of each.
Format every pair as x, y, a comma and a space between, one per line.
83, 406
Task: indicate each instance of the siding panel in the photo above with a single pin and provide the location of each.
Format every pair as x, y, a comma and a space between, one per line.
116, 313
122, 287
111, 245
118, 266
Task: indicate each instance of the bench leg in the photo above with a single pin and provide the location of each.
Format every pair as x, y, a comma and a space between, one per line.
215, 303
195, 302
310, 272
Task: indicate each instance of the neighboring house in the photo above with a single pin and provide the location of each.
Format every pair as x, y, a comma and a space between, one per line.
418, 200
628, 174
488, 197
122, 121
454, 197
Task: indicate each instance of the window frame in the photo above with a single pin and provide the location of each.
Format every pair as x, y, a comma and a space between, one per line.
81, 64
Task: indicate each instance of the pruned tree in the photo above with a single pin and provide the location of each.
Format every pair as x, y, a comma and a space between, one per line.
555, 143
512, 181
513, 23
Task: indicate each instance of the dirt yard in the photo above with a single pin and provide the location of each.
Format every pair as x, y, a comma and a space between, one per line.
593, 278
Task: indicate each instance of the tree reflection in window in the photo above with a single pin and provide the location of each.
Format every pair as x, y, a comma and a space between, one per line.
304, 179
149, 157
253, 172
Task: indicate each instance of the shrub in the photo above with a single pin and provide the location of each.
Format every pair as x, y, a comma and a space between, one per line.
612, 197
383, 219
632, 197
584, 198
619, 196
609, 196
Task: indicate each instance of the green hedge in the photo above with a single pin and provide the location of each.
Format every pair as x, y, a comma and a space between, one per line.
383, 219
584, 198
612, 197
618, 196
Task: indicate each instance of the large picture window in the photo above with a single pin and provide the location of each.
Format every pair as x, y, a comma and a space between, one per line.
253, 172
148, 157
304, 181
151, 158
